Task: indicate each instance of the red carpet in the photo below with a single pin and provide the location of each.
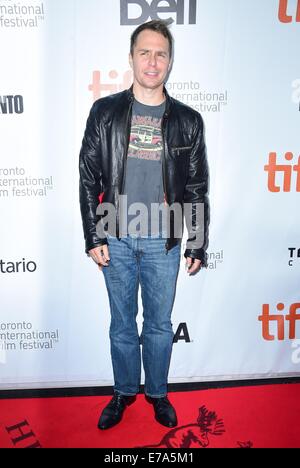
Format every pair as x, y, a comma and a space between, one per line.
259, 416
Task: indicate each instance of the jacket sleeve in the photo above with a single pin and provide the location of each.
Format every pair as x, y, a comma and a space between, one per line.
197, 214
90, 182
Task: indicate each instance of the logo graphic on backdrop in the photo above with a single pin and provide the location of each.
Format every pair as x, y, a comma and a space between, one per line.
11, 104
100, 88
135, 12
296, 92
17, 267
182, 334
287, 182
14, 182
22, 336
18, 15
215, 259
294, 255
279, 320
285, 12
274, 326
22, 436
188, 92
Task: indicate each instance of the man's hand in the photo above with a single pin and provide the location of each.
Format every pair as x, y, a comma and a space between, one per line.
100, 255
192, 265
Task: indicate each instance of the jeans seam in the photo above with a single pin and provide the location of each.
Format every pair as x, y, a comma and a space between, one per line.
156, 396
125, 394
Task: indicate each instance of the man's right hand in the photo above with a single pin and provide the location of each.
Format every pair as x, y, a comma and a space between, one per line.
100, 255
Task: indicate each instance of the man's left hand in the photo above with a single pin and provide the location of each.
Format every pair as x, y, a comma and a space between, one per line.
193, 265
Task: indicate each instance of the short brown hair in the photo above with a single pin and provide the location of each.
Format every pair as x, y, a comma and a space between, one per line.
158, 26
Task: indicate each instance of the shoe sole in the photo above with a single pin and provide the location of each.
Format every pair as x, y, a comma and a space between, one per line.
170, 426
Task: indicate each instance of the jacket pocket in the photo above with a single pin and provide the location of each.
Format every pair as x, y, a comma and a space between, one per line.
179, 159
180, 150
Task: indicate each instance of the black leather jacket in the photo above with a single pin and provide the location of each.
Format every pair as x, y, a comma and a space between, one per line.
103, 157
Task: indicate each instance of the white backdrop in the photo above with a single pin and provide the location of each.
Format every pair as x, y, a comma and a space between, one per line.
235, 62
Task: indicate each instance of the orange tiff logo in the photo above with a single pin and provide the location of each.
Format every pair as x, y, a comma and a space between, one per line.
273, 169
100, 88
266, 318
283, 15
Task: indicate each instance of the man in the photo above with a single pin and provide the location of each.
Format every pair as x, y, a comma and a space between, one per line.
144, 145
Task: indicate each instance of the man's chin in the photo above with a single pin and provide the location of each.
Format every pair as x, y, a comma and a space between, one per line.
151, 84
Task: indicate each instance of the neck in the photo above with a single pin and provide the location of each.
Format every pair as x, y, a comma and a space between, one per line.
150, 97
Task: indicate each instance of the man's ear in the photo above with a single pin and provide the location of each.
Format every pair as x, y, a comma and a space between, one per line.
130, 60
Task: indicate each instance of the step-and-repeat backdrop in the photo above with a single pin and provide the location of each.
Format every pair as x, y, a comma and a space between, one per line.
236, 62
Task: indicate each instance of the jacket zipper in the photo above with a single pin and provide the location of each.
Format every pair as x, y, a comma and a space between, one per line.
164, 165
124, 166
181, 148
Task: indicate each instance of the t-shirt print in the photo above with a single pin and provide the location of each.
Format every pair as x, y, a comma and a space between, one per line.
145, 138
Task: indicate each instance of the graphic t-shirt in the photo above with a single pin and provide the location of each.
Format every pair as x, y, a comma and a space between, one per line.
143, 178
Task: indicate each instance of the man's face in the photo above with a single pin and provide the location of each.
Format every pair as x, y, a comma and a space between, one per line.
151, 60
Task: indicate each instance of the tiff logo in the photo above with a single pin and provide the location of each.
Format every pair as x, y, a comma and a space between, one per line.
283, 15
286, 169
101, 89
151, 11
11, 105
291, 317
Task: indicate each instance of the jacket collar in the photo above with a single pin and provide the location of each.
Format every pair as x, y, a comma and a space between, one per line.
168, 98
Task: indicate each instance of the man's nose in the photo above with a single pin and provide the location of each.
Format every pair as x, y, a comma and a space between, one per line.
152, 60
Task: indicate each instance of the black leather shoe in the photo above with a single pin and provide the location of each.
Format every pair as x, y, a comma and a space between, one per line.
113, 412
165, 413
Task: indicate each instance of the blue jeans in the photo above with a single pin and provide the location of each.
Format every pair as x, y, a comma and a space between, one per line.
141, 261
